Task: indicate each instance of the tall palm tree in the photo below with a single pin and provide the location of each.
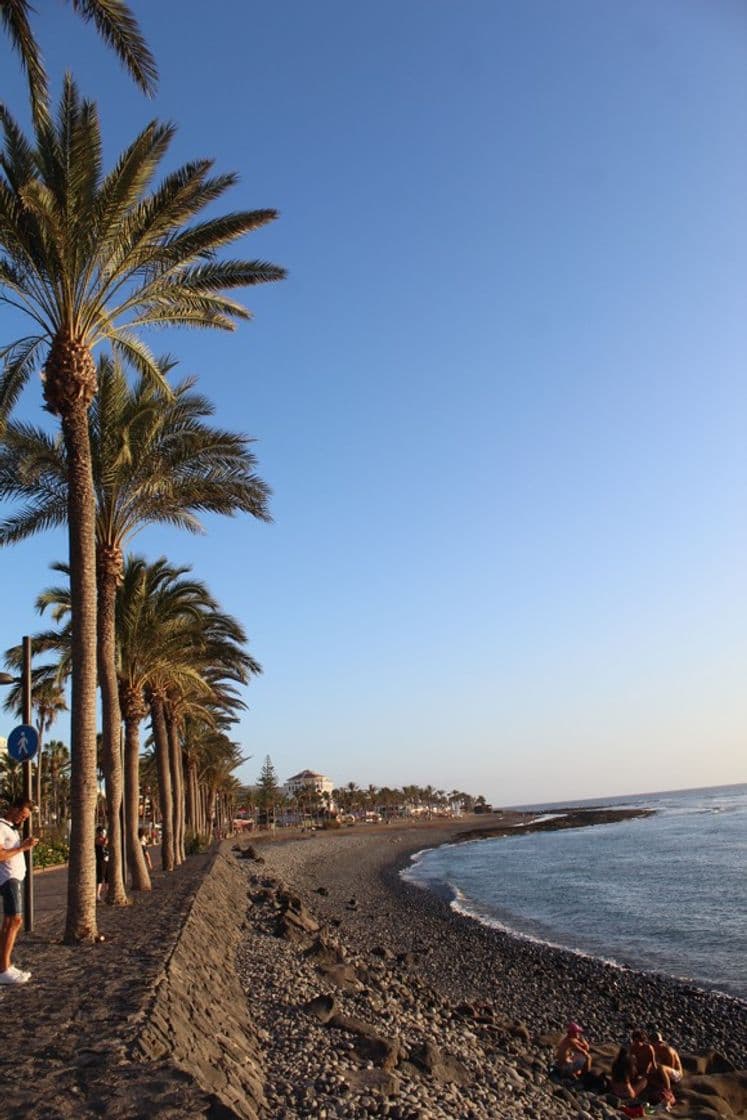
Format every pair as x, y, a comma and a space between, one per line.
115, 24
93, 258
155, 459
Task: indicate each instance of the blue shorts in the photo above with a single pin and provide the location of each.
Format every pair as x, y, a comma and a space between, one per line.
12, 894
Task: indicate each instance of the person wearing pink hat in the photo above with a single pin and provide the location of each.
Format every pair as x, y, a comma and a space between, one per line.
572, 1057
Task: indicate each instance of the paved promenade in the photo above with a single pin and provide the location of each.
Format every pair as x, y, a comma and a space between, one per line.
68, 1032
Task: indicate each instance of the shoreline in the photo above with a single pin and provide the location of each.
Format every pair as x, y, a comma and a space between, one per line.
351, 885
567, 818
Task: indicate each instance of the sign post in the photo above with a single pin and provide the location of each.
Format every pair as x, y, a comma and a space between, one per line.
28, 898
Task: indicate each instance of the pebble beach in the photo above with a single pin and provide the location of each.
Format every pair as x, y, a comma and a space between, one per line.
450, 1019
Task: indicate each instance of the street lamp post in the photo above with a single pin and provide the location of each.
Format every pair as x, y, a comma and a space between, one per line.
25, 681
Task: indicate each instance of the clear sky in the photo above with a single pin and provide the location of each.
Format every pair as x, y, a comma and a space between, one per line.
501, 397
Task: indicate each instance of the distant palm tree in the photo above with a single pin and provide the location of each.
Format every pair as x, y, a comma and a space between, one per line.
93, 258
115, 24
58, 767
47, 701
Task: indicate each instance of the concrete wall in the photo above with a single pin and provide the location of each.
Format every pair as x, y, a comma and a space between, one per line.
198, 1017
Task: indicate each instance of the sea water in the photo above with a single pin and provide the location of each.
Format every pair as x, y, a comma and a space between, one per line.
665, 893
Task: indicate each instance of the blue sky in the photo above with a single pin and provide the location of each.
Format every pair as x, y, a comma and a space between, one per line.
501, 397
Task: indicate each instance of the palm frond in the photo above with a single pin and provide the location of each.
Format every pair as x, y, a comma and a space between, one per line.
119, 29
14, 16
19, 360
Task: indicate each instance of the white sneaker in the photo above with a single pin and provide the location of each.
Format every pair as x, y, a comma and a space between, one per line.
13, 976
20, 972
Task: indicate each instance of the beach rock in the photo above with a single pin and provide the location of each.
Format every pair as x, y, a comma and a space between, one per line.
439, 1065
373, 1080
341, 976
383, 1052
322, 1007
294, 916
717, 1063
249, 853
520, 1031
323, 952
726, 1093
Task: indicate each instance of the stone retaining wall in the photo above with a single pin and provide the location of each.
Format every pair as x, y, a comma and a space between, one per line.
198, 1016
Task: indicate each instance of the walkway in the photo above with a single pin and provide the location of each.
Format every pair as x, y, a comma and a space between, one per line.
65, 1049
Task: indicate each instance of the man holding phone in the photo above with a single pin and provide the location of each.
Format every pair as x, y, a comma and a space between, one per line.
12, 874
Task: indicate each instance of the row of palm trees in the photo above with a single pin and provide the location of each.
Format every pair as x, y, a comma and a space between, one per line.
164, 647
270, 801
90, 258
353, 799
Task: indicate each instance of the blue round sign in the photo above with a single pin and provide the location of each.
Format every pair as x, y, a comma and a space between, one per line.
23, 743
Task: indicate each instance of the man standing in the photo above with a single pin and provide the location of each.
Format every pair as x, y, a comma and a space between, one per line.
12, 874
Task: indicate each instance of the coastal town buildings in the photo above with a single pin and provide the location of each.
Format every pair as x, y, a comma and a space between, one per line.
308, 781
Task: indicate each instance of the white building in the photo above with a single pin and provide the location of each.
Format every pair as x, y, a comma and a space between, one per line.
309, 781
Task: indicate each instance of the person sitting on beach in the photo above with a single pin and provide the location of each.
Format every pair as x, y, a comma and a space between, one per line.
623, 1080
666, 1056
572, 1057
658, 1090
642, 1054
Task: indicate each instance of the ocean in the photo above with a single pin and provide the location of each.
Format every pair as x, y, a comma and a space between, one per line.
665, 893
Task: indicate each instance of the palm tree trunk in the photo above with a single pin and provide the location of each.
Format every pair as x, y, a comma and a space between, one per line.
191, 799
109, 564
177, 787
39, 758
80, 924
211, 817
163, 762
135, 858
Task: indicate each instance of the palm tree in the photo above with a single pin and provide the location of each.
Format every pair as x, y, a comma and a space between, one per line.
178, 654
154, 460
47, 701
58, 766
115, 24
93, 258
152, 605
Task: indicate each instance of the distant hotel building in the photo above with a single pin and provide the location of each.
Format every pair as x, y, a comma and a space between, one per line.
308, 781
